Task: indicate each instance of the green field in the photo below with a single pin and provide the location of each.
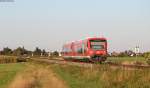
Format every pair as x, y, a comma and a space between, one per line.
8, 72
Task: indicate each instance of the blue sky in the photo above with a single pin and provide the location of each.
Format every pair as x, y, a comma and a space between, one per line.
50, 23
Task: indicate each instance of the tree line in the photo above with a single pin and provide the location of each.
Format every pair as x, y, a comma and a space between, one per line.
20, 51
128, 53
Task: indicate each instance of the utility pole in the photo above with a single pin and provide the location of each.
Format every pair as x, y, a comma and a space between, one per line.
49, 54
137, 50
41, 54
32, 54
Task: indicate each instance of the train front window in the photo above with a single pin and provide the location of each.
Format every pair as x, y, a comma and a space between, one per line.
97, 44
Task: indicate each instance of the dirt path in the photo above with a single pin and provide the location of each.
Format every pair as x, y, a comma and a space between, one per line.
37, 76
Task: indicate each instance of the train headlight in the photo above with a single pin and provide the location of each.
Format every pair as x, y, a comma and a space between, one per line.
91, 52
104, 52
98, 52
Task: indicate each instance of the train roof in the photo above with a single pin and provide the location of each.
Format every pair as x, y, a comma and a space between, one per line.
88, 38
96, 38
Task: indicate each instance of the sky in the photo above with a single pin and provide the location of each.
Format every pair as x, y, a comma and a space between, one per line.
48, 24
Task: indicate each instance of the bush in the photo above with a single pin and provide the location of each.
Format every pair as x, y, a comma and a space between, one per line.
55, 54
22, 59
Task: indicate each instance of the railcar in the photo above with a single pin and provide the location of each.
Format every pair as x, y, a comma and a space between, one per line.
90, 49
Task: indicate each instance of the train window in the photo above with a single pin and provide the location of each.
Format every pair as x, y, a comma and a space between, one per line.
97, 44
66, 50
97, 47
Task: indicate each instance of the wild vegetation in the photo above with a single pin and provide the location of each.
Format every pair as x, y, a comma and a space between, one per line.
103, 77
128, 60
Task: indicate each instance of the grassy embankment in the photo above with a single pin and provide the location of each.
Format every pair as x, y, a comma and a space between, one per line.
8, 72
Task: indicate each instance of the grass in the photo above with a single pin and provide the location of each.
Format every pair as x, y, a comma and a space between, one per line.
103, 76
77, 77
129, 60
37, 75
40, 75
8, 72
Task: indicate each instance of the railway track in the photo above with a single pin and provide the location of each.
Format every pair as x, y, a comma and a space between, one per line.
90, 65
63, 62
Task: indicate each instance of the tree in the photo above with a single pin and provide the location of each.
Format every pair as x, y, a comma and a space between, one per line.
44, 52
37, 51
126, 53
20, 51
55, 53
6, 51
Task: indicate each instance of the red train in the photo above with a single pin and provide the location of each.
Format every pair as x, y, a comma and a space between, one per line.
91, 49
